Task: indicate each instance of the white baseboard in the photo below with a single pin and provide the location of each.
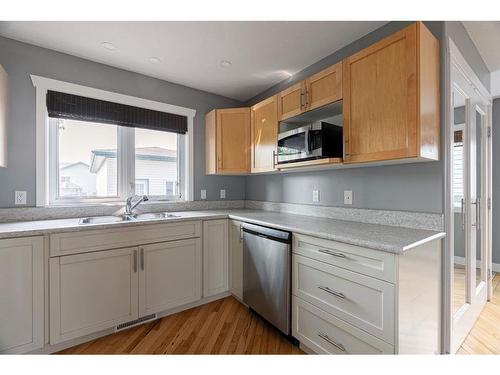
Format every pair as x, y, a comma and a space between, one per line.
461, 260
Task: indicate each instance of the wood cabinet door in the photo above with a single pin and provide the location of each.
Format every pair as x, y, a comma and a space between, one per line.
169, 275
215, 257
380, 100
92, 291
264, 133
291, 101
21, 294
233, 140
324, 87
235, 259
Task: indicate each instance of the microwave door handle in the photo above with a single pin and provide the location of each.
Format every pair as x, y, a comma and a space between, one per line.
307, 140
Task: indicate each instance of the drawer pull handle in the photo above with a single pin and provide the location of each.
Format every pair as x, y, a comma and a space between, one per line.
325, 337
332, 292
135, 260
335, 254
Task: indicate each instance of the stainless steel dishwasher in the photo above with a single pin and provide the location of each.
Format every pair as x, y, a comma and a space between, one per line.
267, 273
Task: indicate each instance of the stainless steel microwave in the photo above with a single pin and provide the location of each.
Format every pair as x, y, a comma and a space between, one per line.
311, 135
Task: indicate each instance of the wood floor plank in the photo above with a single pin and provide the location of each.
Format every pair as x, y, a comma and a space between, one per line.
225, 326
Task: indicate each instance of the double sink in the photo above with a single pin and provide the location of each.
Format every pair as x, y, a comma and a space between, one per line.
125, 218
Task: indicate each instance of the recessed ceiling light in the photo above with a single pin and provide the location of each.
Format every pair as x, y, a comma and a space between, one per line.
226, 64
154, 60
108, 45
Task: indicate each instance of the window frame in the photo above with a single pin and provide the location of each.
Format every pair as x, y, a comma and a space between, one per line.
45, 134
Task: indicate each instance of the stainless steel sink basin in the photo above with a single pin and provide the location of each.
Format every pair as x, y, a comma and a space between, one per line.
105, 219
155, 216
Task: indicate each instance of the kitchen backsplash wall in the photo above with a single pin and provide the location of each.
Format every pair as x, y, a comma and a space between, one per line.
20, 60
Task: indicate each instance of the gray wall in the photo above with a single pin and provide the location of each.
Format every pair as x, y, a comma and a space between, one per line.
20, 60
416, 187
496, 181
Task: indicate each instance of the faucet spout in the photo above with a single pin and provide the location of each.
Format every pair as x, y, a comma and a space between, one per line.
129, 207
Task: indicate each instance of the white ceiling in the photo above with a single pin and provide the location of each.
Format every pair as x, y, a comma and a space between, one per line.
485, 35
262, 53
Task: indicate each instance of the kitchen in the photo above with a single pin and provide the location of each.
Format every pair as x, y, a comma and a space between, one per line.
311, 212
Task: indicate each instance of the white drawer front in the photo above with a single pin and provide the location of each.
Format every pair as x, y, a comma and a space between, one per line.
363, 301
103, 239
369, 262
324, 333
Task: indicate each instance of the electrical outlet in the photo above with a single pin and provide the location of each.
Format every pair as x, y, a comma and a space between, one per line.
315, 195
222, 193
203, 194
347, 196
20, 197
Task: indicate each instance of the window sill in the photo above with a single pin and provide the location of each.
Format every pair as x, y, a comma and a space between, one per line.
121, 203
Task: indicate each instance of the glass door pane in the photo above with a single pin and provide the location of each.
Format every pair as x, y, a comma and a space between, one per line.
459, 203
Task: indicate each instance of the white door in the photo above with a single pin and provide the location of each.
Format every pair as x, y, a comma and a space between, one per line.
470, 192
21, 294
215, 257
92, 291
236, 259
170, 275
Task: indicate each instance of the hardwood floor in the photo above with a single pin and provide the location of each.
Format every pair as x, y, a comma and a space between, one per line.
484, 338
221, 327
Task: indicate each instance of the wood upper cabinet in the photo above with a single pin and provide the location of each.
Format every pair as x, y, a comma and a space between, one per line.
320, 89
324, 87
391, 98
264, 135
291, 101
227, 141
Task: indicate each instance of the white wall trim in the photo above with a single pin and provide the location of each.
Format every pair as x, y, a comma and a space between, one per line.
43, 84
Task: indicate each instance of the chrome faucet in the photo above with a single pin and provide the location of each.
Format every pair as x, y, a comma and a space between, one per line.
129, 207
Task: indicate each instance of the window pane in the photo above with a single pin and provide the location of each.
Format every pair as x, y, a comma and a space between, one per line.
156, 162
87, 157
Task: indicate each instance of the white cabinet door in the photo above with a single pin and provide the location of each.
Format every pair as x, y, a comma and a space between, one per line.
21, 294
215, 257
92, 291
170, 275
235, 259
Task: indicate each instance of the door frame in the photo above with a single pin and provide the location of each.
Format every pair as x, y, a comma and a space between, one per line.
454, 58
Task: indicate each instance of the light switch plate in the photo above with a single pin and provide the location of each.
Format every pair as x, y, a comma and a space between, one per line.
347, 196
222, 193
315, 195
20, 197
203, 194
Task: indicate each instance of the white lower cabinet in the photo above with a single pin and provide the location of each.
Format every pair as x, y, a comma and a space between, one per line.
215, 257
92, 291
324, 333
235, 259
170, 275
21, 294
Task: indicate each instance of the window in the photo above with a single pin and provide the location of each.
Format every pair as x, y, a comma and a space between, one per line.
91, 162
458, 165
141, 187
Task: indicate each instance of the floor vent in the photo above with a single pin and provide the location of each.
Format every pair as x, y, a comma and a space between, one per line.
147, 318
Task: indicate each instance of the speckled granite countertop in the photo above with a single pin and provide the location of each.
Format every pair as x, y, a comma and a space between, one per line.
379, 237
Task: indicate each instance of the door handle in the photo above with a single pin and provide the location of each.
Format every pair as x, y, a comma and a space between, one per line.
462, 208
142, 258
478, 213
135, 260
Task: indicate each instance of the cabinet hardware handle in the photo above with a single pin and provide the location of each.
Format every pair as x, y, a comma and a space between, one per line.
325, 337
241, 233
135, 260
333, 253
332, 292
307, 98
142, 258
302, 105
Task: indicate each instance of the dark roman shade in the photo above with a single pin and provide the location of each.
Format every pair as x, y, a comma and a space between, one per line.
74, 107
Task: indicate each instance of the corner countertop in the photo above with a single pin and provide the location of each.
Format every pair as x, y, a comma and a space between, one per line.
379, 237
